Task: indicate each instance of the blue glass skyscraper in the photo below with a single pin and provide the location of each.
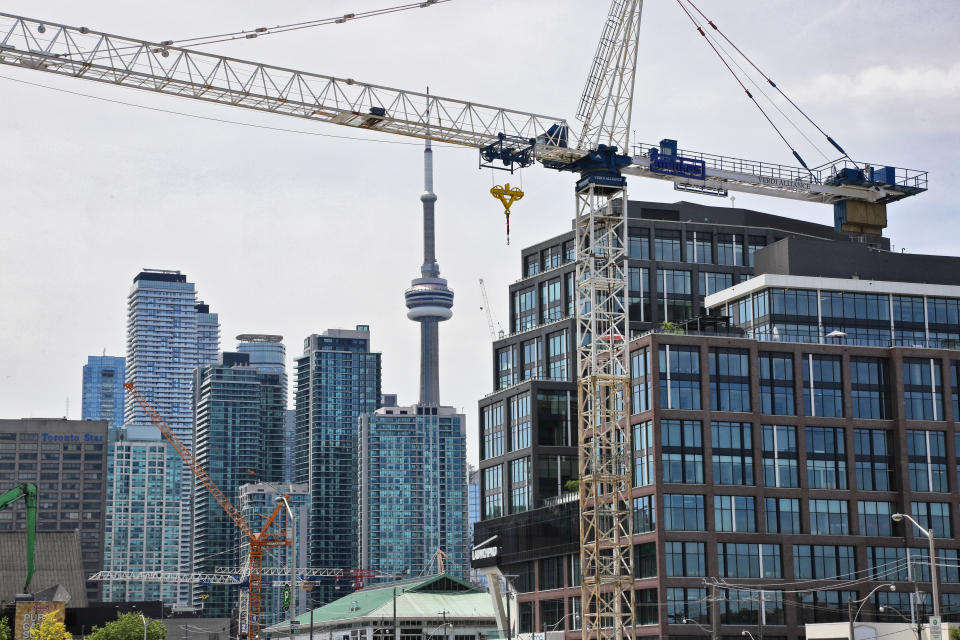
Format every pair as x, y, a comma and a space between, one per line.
337, 380
103, 378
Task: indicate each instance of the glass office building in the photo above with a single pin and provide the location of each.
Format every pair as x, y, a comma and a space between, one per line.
413, 490
238, 438
769, 448
103, 393
337, 380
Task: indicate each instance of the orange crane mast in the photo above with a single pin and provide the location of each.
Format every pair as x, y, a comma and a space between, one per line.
258, 541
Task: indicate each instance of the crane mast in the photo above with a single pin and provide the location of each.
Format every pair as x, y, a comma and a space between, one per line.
509, 138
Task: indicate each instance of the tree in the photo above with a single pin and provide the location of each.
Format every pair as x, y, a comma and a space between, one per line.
129, 626
955, 633
50, 629
5, 633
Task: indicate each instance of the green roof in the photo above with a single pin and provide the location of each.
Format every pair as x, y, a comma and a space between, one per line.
419, 598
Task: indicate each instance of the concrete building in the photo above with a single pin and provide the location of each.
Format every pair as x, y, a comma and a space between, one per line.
238, 437
66, 460
337, 380
169, 334
256, 503
431, 607
103, 393
768, 453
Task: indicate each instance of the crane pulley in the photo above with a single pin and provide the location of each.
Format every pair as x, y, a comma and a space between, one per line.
507, 195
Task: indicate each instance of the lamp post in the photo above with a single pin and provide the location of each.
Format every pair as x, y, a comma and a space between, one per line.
144, 619
694, 622
934, 578
747, 634
308, 587
850, 601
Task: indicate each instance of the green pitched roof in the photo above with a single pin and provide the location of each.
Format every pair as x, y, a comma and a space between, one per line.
420, 598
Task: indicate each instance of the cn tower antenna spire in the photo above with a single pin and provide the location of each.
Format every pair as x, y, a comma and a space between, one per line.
428, 299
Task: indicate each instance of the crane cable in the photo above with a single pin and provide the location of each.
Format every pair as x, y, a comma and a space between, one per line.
744, 87
773, 84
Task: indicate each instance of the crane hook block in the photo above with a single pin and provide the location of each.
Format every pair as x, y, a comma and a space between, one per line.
507, 195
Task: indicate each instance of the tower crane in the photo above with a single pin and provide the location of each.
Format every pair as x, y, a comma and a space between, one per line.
258, 541
601, 157
494, 334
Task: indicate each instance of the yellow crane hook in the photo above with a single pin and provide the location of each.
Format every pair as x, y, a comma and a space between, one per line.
507, 195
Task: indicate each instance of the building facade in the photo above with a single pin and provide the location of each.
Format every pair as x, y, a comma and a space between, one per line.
238, 437
337, 380
412, 490
256, 502
169, 334
103, 393
66, 459
144, 505
768, 456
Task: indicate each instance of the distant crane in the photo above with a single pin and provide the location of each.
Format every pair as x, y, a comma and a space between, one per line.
494, 334
264, 539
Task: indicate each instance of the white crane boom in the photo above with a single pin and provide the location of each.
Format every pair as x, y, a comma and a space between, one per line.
495, 334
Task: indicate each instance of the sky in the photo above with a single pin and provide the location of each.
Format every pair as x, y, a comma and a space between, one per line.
293, 233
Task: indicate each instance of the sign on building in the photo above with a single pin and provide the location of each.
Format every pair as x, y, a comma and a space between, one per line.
30, 614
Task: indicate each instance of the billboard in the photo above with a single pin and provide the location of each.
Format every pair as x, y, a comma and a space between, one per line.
30, 614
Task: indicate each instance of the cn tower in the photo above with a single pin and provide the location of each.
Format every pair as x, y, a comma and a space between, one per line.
428, 299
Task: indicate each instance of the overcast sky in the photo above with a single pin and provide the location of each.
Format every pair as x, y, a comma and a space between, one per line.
294, 233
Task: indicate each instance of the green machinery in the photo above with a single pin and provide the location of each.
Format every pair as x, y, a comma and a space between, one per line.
28, 492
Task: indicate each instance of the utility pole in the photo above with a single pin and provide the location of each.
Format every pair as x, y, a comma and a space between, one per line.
714, 613
850, 615
395, 636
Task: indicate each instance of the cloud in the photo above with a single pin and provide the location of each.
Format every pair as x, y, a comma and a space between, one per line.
908, 84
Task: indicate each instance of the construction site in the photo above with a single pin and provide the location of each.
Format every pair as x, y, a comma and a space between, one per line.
685, 394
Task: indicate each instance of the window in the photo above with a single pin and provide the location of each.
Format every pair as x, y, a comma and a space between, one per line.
679, 377
933, 516
551, 573
683, 512
508, 365
826, 458
740, 560
782, 515
639, 247
822, 386
699, 247
524, 309
667, 245
644, 514
729, 379
829, 518
955, 378
922, 389
641, 382
874, 518
569, 251
493, 491
754, 244
830, 605
554, 418
870, 387
711, 282
687, 604
520, 422
871, 449
908, 319
927, 457
734, 513
520, 485
888, 563
732, 453
493, 431
674, 294
823, 562
552, 257
551, 298
643, 454
557, 356
639, 288
776, 384
645, 560
532, 359
780, 456
685, 559
647, 606
532, 265
729, 249
681, 443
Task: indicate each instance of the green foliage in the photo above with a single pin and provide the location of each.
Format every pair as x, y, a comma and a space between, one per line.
5, 633
955, 633
670, 327
569, 485
129, 626
50, 629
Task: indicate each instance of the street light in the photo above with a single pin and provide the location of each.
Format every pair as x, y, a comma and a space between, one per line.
883, 608
746, 634
142, 617
694, 622
934, 578
853, 616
